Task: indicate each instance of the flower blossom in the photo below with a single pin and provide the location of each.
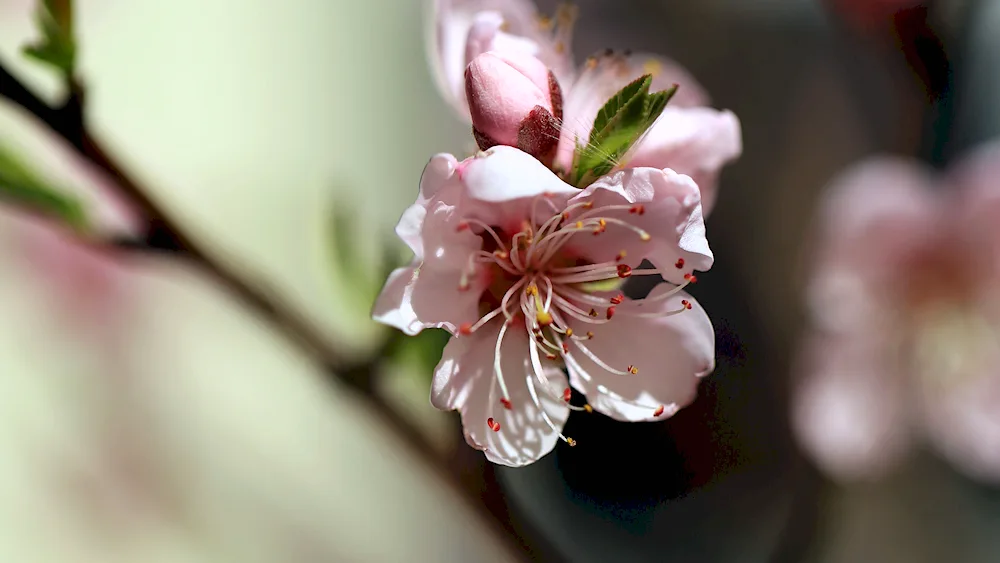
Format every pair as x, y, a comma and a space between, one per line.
524, 271
688, 137
905, 304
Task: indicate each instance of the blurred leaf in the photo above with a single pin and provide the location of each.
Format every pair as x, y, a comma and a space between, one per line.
23, 187
57, 46
422, 351
622, 121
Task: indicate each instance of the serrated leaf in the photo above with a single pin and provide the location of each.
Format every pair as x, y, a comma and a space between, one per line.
57, 46
620, 123
24, 188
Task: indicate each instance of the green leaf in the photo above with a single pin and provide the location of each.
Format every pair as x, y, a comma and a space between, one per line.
24, 188
57, 46
622, 121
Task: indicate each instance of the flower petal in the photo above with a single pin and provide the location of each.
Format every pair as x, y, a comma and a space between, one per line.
604, 76
459, 29
502, 184
670, 352
465, 380
438, 176
692, 141
850, 410
870, 218
393, 305
671, 215
431, 292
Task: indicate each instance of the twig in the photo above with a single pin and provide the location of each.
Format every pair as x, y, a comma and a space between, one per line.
165, 235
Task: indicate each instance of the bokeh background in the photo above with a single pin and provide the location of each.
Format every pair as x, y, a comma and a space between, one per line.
192, 432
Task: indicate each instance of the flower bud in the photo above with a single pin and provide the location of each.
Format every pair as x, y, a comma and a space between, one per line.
514, 100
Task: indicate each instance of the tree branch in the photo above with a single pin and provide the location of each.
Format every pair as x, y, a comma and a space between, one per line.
165, 236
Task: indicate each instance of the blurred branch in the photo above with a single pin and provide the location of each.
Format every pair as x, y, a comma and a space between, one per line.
165, 236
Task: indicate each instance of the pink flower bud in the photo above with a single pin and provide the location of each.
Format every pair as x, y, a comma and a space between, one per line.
514, 100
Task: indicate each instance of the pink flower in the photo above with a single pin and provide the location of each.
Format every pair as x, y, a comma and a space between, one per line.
688, 138
524, 269
905, 302
514, 100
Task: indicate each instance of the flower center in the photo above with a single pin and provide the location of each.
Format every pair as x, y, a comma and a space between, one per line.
540, 286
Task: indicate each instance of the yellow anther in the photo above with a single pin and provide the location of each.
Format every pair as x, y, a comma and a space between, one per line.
571, 442
569, 332
579, 224
588, 408
644, 236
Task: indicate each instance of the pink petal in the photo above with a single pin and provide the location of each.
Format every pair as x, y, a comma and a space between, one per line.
871, 218
394, 305
850, 411
428, 293
438, 176
670, 352
463, 381
606, 75
459, 32
502, 184
671, 215
692, 141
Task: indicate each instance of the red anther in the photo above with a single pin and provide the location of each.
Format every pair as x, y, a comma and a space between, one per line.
658, 411
617, 299
551, 356
624, 270
494, 425
567, 394
465, 329
690, 278
505, 403
686, 304
611, 312
632, 369
462, 226
565, 215
565, 347
679, 264
638, 209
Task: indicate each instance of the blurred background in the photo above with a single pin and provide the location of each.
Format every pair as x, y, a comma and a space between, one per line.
181, 428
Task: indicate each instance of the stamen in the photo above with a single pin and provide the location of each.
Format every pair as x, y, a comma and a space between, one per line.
621, 256
624, 270
637, 209
610, 312
633, 370
690, 278
617, 299
679, 264
545, 415
494, 425
506, 404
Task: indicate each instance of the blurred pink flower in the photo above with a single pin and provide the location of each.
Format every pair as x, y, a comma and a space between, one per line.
687, 138
905, 303
523, 270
